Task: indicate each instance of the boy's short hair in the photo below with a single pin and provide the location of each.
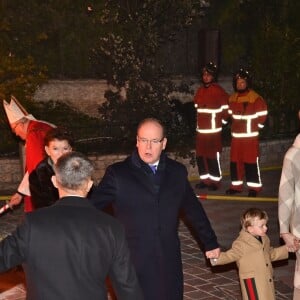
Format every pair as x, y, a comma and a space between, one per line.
250, 215
72, 170
59, 133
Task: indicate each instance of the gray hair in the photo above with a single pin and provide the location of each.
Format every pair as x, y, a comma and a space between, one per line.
72, 170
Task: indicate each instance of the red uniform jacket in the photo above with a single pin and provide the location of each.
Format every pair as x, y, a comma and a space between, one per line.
249, 112
212, 105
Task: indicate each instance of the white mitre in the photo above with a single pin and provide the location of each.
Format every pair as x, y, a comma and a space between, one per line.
15, 111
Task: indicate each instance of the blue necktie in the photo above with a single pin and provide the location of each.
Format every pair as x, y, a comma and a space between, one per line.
153, 168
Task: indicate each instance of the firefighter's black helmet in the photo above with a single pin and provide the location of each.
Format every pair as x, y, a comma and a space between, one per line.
210, 68
242, 74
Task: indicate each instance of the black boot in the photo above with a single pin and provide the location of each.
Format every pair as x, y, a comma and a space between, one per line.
213, 187
232, 192
201, 185
252, 193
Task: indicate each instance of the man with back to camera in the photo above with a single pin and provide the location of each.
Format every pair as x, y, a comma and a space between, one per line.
68, 249
147, 191
211, 103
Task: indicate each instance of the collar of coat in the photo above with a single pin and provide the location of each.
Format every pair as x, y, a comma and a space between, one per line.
136, 161
251, 238
73, 201
249, 97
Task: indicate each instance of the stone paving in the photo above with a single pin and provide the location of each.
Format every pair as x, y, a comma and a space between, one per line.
201, 281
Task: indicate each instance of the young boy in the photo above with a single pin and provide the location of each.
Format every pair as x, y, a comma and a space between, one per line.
57, 141
253, 255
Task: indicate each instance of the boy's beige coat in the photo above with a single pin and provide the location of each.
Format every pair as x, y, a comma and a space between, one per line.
253, 259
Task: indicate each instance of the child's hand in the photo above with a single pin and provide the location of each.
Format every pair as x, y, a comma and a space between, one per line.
291, 242
215, 253
213, 261
295, 247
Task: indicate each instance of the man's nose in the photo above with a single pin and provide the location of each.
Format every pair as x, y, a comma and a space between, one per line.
149, 144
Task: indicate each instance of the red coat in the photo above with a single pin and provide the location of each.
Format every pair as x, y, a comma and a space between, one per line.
35, 150
35, 146
248, 112
211, 104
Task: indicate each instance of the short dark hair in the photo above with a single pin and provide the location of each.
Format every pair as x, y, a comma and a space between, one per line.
152, 120
72, 170
59, 133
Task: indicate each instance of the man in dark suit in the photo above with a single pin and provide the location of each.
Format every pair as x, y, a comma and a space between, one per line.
148, 204
68, 249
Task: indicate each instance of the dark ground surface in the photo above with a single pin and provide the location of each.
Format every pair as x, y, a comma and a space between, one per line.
201, 280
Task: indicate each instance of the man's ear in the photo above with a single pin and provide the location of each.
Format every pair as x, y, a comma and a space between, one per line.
164, 142
54, 181
90, 184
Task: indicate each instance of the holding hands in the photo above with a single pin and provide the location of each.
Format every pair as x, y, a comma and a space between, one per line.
292, 242
215, 253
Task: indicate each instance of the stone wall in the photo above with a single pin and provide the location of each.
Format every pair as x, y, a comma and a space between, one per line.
272, 153
87, 95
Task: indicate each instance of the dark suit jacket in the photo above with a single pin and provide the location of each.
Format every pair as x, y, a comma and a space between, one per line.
67, 250
43, 193
148, 206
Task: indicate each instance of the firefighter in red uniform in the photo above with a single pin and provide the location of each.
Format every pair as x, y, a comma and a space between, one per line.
248, 113
211, 103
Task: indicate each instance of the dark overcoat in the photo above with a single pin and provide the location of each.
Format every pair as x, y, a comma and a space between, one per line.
43, 192
67, 250
148, 205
